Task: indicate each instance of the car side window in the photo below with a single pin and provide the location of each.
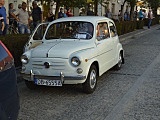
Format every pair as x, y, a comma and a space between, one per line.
113, 30
102, 31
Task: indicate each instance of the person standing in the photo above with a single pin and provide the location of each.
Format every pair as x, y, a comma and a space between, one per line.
11, 18
120, 15
69, 12
19, 6
22, 18
36, 14
65, 13
90, 12
61, 14
108, 14
50, 15
150, 17
4, 15
140, 15
2, 25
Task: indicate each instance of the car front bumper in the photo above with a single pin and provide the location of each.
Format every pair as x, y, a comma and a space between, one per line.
64, 79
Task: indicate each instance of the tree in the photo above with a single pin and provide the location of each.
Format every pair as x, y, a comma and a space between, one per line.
65, 3
132, 4
154, 4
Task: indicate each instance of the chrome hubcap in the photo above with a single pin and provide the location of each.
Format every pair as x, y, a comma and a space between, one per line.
93, 79
120, 61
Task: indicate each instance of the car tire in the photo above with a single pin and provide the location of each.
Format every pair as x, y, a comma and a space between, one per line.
120, 61
30, 85
90, 84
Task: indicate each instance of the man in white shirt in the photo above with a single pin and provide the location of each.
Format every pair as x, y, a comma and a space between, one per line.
22, 18
150, 17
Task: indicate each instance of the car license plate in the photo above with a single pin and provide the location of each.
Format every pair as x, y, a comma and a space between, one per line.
48, 82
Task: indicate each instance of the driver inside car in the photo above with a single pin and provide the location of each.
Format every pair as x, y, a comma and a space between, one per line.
89, 32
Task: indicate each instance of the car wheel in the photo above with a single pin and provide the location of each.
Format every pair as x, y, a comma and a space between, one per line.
91, 82
30, 84
119, 64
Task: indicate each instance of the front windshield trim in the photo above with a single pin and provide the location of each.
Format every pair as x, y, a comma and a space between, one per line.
39, 31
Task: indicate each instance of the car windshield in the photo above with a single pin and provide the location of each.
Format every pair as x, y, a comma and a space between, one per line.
38, 35
70, 30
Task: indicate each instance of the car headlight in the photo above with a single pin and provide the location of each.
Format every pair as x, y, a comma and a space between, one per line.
75, 61
24, 59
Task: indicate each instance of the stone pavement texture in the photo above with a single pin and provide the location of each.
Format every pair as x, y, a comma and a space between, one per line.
142, 100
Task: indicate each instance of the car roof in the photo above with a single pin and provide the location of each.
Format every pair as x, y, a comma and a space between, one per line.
92, 19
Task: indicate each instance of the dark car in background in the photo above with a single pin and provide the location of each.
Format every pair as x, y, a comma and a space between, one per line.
9, 98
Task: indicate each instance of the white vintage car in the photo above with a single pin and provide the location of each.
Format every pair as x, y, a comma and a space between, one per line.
73, 50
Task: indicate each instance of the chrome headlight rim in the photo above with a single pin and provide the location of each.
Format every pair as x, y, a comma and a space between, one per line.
24, 59
75, 61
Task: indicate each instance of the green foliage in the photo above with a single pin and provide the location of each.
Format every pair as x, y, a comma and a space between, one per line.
124, 27
69, 3
154, 4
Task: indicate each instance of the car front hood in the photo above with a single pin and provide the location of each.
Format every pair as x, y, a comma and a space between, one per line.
59, 49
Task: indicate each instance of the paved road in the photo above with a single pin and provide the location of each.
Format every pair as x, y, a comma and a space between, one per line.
129, 94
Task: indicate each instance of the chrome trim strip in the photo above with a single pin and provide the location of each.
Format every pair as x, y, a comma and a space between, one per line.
61, 77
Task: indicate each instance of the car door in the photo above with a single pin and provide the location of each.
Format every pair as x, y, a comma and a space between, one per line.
37, 36
105, 46
115, 39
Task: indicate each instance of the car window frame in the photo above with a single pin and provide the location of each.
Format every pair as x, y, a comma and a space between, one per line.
99, 37
112, 25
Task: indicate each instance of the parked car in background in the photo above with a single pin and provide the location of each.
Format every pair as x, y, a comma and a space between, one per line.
74, 50
9, 98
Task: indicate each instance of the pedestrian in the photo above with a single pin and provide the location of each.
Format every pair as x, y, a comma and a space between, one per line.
4, 15
65, 13
126, 15
144, 14
69, 12
150, 17
90, 12
50, 15
61, 14
120, 15
135, 15
108, 14
11, 18
82, 13
22, 17
141, 15
2, 25
19, 6
36, 14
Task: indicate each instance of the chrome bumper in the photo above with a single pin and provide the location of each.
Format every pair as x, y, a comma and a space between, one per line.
63, 78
